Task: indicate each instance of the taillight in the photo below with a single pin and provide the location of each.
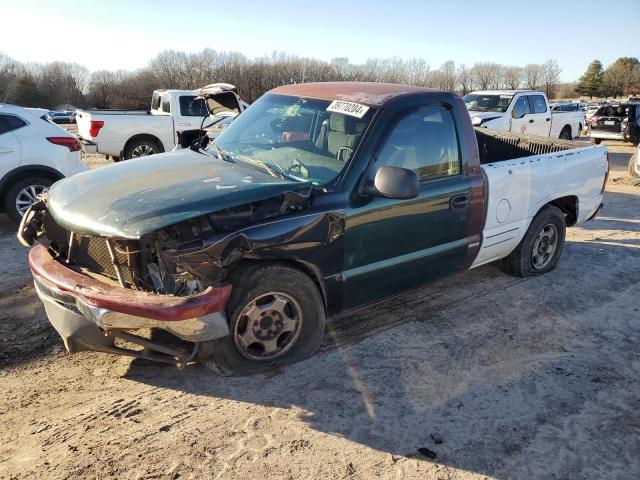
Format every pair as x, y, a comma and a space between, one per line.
73, 144
96, 125
594, 119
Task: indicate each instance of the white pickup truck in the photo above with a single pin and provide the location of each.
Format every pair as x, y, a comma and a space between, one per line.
522, 111
135, 133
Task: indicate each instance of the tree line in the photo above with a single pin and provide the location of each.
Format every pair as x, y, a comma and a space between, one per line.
59, 83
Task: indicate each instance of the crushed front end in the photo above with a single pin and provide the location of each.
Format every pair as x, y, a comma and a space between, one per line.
98, 291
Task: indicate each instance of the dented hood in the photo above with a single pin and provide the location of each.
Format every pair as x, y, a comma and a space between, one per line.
136, 197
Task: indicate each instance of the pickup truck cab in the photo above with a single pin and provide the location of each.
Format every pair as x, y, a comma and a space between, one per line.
320, 198
522, 111
135, 133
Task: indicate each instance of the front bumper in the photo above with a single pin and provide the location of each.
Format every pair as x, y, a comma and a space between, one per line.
89, 314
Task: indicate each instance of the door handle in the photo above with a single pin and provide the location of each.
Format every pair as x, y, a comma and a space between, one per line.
5, 150
459, 202
548, 119
531, 121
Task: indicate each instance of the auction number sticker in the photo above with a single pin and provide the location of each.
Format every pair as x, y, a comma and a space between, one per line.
348, 108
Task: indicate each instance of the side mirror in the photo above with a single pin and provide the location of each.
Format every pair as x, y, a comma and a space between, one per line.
396, 182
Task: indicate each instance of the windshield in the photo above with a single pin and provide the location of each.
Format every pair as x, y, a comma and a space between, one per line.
297, 138
613, 111
476, 102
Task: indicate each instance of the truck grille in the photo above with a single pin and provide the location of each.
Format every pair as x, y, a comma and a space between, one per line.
92, 253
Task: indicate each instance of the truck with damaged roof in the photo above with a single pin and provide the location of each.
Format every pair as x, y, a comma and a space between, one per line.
318, 199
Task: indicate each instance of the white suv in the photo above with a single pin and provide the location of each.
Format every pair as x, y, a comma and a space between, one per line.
34, 154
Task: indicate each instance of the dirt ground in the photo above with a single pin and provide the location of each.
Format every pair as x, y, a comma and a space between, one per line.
498, 376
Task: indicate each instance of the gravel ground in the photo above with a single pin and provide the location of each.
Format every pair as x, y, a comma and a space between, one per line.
496, 376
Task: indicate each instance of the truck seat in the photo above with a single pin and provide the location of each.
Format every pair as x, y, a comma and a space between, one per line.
339, 136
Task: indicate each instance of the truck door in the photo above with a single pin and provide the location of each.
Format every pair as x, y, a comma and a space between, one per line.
520, 115
396, 245
541, 116
189, 112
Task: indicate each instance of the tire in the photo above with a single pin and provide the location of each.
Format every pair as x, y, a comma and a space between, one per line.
521, 262
597, 141
24, 190
565, 134
141, 147
632, 163
259, 289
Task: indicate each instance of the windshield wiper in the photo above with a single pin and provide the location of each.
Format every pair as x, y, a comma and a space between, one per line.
222, 155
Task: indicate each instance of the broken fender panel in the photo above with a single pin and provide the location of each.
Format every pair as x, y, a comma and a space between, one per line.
312, 240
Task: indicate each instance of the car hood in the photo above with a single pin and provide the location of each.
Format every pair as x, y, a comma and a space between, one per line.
478, 117
137, 197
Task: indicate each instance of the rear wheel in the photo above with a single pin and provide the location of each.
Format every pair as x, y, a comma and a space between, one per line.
22, 194
276, 316
565, 134
540, 249
141, 148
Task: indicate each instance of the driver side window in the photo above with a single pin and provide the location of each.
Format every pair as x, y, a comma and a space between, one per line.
521, 107
424, 141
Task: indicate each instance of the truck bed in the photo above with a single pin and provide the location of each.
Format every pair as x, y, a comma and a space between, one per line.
523, 174
496, 146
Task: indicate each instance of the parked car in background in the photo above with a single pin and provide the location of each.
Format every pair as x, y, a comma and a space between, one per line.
565, 107
590, 110
129, 133
320, 198
34, 154
62, 117
522, 111
616, 122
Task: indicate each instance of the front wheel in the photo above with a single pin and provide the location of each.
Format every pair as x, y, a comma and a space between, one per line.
540, 249
276, 316
22, 194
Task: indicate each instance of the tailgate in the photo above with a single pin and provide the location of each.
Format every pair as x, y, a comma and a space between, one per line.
609, 124
83, 119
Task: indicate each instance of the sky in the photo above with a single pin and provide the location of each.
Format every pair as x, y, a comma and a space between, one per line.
116, 34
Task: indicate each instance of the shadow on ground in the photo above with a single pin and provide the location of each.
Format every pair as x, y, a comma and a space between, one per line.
495, 375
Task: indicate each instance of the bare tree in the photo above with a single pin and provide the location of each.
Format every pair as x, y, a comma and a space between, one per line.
484, 74
512, 77
550, 72
465, 79
532, 73
8, 73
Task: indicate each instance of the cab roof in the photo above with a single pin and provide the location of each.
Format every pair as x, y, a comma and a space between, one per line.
367, 93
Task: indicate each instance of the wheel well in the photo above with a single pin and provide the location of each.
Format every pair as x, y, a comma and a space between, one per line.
144, 136
569, 206
25, 172
303, 267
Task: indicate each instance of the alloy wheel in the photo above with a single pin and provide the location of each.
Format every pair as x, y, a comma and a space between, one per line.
142, 151
28, 196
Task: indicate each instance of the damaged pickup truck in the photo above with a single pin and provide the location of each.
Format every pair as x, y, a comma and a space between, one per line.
319, 198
